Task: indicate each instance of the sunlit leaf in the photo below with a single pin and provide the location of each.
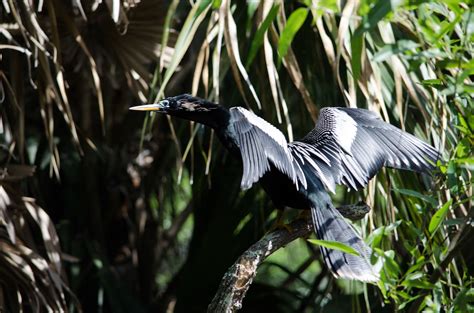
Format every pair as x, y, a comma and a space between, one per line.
334, 245
439, 216
294, 23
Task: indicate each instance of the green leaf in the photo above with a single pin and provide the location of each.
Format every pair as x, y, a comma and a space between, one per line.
435, 83
258, 39
356, 47
464, 148
420, 262
334, 245
416, 194
294, 23
469, 88
439, 216
216, 4
447, 64
379, 11
202, 6
330, 5
377, 235
418, 283
391, 267
463, 300
447, 27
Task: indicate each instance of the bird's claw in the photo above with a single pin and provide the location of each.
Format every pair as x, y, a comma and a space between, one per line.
279, 223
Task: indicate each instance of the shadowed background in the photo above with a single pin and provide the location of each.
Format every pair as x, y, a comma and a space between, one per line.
106, 210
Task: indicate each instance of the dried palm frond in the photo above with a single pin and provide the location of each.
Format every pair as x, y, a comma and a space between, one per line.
30, 256
113, 43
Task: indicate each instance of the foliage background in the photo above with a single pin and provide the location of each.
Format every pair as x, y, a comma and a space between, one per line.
103, 211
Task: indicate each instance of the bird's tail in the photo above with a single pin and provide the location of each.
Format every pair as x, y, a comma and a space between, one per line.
330, 225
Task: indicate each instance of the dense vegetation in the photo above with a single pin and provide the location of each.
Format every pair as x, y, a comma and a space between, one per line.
103, 211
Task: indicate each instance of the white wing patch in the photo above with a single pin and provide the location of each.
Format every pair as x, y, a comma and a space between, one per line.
263, 125
345, 130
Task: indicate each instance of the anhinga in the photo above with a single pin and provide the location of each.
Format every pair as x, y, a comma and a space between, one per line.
348, 146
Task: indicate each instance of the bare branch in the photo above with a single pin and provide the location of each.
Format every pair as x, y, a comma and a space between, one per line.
239, 276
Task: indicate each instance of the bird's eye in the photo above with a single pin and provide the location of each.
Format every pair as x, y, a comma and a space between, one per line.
165, 103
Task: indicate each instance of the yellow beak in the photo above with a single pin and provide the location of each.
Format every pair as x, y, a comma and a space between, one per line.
147, 107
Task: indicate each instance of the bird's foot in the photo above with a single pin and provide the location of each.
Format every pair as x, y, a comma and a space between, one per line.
280, 226
279, 223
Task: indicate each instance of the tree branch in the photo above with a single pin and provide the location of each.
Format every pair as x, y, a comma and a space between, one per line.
239, 276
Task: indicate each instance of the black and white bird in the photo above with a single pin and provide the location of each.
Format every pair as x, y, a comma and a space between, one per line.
348, 146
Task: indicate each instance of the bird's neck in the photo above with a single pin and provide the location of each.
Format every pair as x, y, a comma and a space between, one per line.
224, 129
217, 118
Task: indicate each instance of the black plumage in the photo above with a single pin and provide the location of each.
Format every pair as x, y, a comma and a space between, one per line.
347, 146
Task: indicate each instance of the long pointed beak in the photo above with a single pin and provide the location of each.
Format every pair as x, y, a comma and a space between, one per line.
147, 107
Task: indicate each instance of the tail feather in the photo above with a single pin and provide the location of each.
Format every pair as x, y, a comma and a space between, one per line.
330, 225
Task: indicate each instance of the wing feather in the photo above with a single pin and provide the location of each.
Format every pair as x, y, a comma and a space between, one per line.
260, 144
347, 146
351, 145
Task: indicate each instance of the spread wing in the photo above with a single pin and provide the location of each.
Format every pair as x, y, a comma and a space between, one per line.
349, 146
260, 144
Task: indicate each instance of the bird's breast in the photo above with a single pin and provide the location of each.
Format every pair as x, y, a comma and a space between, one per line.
282, 190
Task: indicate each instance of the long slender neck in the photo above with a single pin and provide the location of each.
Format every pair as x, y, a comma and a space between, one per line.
224, 129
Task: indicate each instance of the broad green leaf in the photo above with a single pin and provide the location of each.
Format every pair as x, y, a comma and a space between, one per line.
439, 216
258, 39
334, 245
294, 23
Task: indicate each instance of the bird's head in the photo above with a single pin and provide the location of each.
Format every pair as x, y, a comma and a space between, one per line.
178, 104
187, 107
